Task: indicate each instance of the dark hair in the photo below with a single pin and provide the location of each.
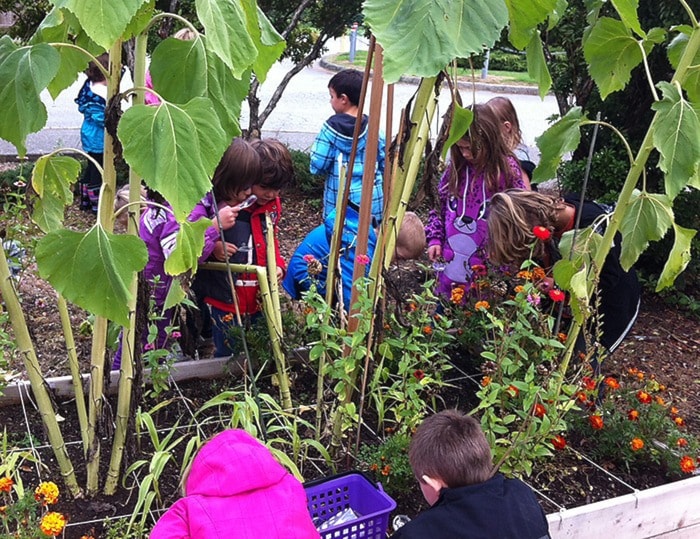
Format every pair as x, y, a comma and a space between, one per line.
490, 151
452, 447
94, 73
237, 171
276, 163
348, 82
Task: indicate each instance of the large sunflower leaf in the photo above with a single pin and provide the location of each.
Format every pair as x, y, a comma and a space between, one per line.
226, 92
439, 30
103, 20
52, 178
24, 73
677, 138
270, 44
647, 219
524, 18
179, 69
627, 10
188, 247
175, 149
225, 25
537, 65
69, 260
678, 258
562, 137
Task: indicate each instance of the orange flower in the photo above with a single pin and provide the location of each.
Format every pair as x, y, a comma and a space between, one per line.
513, 391
643, 397
636, 444
227, 317
660, 401
559, 442
612, 383
596, 422
46, 493
6, 484
486, 380
682, 442
633, 415
412, 306
519, 289
52, 524
562, 337
386, 470
588, 383
539, 411
479, 305
457, 294
687, 464
524, 274
674, 410
373, 468
679, 421
640, 376
538, 274
427, 330
307, 311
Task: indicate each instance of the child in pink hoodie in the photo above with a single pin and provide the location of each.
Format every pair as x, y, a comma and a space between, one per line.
236, 489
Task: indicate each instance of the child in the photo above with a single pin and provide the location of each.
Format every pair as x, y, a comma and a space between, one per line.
235, 488
410, 244
505, 112
92, 100
268, 166
331, 149
481, 165
512, 216
451, 459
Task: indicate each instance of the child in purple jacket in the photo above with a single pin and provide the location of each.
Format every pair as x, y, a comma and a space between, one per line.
235, 488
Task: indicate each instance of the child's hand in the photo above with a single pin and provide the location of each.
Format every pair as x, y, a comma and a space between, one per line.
434, 252
223, 251
227, 216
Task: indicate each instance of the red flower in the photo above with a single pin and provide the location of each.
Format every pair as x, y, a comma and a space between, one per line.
588, 383
542, 233
633, 415
687, 464
479, 270
309, 258
539, 411
559, 442
612, 383
682, 442
427, 330
513, 391
636, 444
643, 397
596, 422
362, 259
556, 295
419, 374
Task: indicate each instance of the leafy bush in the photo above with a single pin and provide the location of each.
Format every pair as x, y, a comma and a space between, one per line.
309, 185
607, 175
388, 463
498, 60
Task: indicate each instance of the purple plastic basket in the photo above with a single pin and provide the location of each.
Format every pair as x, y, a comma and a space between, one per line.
327, 497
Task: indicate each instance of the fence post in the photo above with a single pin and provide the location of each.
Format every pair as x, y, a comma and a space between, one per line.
353, 42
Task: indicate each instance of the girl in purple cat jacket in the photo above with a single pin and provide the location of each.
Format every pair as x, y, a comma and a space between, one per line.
481, 164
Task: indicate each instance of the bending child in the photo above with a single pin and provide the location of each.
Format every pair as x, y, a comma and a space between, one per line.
331, 149
451, 458
512, 216
481, 165
235, 488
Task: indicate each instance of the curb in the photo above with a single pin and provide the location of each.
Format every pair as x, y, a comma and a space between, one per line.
326, 63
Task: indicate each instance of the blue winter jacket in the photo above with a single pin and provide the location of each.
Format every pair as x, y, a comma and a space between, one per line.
92, 107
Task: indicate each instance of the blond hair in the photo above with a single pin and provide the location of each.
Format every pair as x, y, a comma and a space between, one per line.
512, 215
505, 112
410, 241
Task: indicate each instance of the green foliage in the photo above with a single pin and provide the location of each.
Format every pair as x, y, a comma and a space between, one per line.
633, 425
27, 16
309, 185
607, 175
7, 350
119, 529
388, 463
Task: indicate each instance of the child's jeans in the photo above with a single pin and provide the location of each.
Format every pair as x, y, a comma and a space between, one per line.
225, 331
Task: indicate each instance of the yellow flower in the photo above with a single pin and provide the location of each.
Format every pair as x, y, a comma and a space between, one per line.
46, 493
481, 305
6, 484
52, 524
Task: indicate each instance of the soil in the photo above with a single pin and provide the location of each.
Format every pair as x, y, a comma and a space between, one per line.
665, 341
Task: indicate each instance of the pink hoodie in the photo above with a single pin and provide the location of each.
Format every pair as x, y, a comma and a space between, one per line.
236, 489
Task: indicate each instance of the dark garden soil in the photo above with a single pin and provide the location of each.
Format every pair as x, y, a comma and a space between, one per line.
665, 342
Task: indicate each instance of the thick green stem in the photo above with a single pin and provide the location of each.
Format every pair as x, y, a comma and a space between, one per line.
31, 364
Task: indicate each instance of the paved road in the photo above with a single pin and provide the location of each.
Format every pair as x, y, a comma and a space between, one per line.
296, 120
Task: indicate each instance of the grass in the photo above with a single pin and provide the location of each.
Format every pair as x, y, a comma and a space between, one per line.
515, 77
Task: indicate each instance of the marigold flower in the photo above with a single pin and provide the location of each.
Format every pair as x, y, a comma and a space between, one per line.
633, 415
640, 376
386, 470
46, 493
373, 468
588, 383
679, 421
486, 380
596, 422
427, 330
581, 397
418, 374
457, 294
52, 524
518, 289
309, 258
643, 397
482, 305
660, 401
538, 274
556, 295
559, 442
682, 442
687, 464
227, 317
636, 444
674, 410
539, 410
513, 391
541, 233
6, 484
612, 383
362, 259
524, 274
632, 371
562, 337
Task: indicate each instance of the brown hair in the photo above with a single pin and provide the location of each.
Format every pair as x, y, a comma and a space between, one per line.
452, 447
512, 215
94, 73
276, 163
505, 112
238, 169
410, 241
489, 150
